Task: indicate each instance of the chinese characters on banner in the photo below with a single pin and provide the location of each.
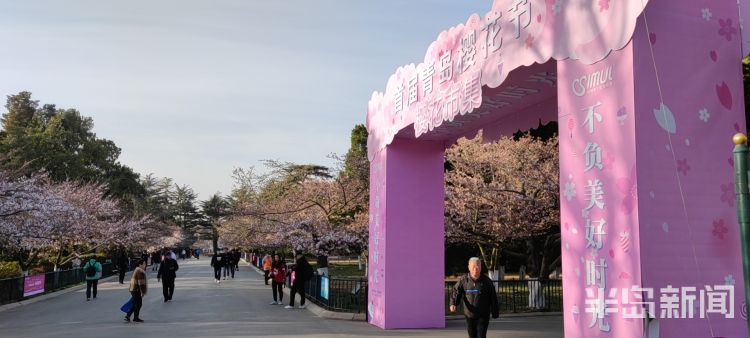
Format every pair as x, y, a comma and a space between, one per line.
33, 285
601, 261
449, 82
376, 257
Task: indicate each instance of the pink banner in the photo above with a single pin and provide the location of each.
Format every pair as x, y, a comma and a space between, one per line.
484, 50
33, 285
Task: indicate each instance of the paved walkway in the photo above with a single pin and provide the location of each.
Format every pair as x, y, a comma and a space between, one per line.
201, 308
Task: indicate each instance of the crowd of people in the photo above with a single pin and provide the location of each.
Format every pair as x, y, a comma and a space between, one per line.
225, 262
163, 262
278, 272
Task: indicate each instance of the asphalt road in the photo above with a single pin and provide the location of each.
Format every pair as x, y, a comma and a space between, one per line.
201, 308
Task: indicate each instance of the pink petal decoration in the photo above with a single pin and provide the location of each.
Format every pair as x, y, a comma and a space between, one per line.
652, 38
624, 275
713, 55
725, 96
612, 253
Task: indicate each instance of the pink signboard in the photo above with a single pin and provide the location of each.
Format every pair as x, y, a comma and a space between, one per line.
483, 52
33, 285
647, 97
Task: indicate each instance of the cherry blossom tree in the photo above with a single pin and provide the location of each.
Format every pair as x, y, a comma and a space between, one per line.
304, 207
39, 217
503, 192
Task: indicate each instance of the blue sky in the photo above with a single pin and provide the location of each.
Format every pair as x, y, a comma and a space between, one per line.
192, 89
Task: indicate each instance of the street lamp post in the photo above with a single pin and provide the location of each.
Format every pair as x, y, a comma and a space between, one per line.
742, 190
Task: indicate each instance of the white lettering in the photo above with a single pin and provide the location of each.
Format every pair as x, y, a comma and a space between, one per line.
598, 79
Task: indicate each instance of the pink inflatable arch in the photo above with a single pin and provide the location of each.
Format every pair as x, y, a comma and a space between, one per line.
647, 95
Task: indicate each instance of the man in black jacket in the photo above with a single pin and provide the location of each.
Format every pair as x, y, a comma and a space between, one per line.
217, 262
477, 294
122, 266
167, 274
303, 272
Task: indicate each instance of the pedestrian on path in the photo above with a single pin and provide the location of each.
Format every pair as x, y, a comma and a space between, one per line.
217, 263
226, 259
156, 260
138, 288
267, 264
167, 274
477, 294
93, 271
122, 266
303, 272
237, 256
278, 273
232, 263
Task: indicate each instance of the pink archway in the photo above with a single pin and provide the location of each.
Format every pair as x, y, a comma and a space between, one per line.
646, 95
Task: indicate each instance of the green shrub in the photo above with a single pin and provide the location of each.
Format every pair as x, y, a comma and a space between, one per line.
10, 270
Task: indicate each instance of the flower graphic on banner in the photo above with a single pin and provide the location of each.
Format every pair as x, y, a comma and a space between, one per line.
706, 13
683, 167
625, 241
727, 194
703, 115
665, 118
627, 186
622, 114
726, 29
719, 229
570, 188
529, 41
603, 5
556, 7
729, 280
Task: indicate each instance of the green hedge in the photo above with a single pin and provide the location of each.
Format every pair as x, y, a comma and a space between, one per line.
10, 270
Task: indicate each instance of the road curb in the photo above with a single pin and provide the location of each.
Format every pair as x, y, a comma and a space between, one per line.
53, 294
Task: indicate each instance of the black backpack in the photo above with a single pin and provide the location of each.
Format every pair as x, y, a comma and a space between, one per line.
91, 269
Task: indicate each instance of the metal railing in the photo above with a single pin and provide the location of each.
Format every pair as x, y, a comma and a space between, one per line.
349, 294
345, 294
11, 289
516, 296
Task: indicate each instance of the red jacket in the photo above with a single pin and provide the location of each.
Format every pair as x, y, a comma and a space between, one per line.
278, 274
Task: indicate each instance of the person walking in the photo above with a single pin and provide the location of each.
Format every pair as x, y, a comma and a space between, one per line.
303, 272
167, 274
155, 260
216, 263
267, 264
278, 273
226, 260
477, 294
232, 262
138, 288
122, 266
93, 271
237, 256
